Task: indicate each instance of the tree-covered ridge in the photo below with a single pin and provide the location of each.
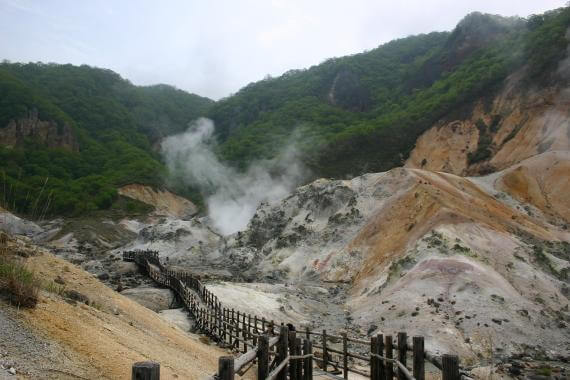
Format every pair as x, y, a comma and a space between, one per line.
364, 112
350, 115
115, 124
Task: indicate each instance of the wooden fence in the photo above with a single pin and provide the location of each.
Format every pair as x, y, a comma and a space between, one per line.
281, 352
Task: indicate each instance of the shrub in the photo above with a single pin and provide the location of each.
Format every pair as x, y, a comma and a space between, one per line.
18, 283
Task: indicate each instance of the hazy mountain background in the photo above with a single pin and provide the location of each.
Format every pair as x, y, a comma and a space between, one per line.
71, 136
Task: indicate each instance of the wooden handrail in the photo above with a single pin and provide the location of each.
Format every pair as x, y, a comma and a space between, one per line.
273, 374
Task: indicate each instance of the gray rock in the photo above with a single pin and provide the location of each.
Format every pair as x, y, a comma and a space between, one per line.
179, 317
152, 298
13, 225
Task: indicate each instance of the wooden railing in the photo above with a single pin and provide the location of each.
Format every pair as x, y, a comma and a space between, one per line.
279, 351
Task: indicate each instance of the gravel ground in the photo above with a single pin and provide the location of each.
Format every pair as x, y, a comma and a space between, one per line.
31, 355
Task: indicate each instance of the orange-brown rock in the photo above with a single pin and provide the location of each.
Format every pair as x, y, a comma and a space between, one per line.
164, 202
521, 123
49, 133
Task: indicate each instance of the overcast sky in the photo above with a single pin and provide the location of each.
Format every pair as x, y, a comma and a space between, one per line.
212, 47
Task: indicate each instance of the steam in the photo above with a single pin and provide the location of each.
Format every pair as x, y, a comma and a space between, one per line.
564, 64
231, 196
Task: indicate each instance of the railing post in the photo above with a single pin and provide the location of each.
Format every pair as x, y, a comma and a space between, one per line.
292, 351
308, 362
236, 341
230, 329
402, 352
236, 322
146, 371
380, 362
249, 329
373, 361
389, 355
224, 333
282, 351
298, 362
450, 367
226, 368
418, 347
325, 352
308, 333
345, 355
244, 334
262, 357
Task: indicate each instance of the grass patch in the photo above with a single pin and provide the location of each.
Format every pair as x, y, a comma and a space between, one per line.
19, 284
55, 288
461, 249
544, 371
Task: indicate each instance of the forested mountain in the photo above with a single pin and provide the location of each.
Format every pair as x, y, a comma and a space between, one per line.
364, 112
69, 136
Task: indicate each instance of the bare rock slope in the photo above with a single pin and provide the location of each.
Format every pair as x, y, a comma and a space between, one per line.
165, 202
517, 124
471, 263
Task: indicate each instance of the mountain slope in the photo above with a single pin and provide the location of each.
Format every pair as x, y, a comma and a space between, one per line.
465, 262
98, 334
364, 112
70, 136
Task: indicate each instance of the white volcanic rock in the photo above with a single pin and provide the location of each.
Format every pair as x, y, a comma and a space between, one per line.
14, 225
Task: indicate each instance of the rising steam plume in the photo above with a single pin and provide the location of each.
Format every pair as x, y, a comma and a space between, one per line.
231, 196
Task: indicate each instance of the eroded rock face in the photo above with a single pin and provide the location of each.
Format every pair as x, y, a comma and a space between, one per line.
165, 202
517, 125
48, 133
459, 260
469, 263
188, 244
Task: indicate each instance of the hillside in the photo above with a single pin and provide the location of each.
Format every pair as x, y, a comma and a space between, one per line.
70, 136
83, 329
363, 113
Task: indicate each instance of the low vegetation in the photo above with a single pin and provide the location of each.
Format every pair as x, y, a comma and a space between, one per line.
17, 283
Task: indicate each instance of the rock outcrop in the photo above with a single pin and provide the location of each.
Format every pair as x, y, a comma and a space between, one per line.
48, 133
164, 202
517, 124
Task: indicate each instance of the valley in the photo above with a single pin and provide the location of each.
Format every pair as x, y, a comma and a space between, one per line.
421, 186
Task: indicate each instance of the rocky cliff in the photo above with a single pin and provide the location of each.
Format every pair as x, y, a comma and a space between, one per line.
46, 132
498, 131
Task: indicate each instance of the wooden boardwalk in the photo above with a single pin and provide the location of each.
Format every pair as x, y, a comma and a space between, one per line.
279, 352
